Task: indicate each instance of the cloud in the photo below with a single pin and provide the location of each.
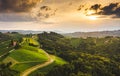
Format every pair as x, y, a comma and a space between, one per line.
110, 9
17, 5
117, 12
95, 7
45, 8
15, 17
113, 10
44, 12
80, 7
40, 14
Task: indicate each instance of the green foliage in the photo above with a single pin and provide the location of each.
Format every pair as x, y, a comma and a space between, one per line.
86, 57
5, 41
4, 37
86, 65
53, 41
5, 70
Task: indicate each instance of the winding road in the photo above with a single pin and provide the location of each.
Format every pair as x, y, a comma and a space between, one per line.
32, 69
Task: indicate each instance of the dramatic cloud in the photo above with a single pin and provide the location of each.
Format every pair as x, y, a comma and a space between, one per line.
44, 12
110, 9
113, 10
80, 7
45, 8
11, 11
95, 7
17, 5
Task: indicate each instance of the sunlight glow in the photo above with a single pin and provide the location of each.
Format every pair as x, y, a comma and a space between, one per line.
90, 12
90, 15
93, 17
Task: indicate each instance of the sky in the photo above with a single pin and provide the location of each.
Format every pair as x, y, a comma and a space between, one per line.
60, 15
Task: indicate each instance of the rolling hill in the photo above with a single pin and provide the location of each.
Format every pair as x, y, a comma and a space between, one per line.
26, 56
94, 34
30, 58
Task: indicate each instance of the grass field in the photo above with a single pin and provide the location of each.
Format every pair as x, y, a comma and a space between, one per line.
58, 61
23, 66
22, 55
27, 59
26, 56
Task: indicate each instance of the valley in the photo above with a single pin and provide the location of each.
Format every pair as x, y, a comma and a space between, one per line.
52, 54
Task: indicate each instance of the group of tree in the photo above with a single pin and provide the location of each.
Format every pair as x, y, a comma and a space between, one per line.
5, 70
53, 41
85, 56
4, 37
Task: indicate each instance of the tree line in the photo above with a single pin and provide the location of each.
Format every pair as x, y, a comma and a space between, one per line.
86, 57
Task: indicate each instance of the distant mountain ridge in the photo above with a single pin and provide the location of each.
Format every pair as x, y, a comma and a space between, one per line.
21, 31
94, 34
75, 34
28, 31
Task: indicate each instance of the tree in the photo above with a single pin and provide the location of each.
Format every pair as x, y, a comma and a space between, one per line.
6, 71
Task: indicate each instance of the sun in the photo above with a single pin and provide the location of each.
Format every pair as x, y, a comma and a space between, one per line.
90, 15
90, 12
93, 17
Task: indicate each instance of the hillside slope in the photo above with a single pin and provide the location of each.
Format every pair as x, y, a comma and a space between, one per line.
26, 56
94, 34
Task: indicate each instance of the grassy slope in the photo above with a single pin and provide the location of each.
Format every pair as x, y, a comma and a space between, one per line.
23, 55
23, 66
4, 47
27, 56
58, 61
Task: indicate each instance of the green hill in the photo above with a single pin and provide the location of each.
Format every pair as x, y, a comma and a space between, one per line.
26, 56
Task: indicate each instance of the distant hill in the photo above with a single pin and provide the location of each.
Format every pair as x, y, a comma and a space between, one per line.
28, 31
94, 34
21, 31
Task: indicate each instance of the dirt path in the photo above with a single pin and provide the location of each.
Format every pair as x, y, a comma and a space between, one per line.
30, 70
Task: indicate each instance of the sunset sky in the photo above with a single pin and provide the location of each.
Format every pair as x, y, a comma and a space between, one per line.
60, 15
